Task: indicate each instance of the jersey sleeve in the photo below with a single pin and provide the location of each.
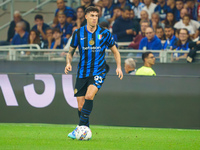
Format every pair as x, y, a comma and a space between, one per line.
74, 42
110, 40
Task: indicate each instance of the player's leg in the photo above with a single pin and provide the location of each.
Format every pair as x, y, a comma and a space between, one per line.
88, 105
81, 101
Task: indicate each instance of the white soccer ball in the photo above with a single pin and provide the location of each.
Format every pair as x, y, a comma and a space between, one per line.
83, 133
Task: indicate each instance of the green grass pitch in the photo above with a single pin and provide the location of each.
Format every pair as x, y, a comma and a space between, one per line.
54, 137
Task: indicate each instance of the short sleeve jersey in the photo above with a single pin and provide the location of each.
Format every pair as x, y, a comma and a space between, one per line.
145, 71
92, 48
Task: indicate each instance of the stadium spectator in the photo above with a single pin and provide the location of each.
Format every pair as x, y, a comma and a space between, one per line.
80, 17
16, 18
146, 70
192, 6
68, 11
86, 3
21, 36
144, 15
117, 12
172, 5
136, 42
155, 21
170, 38
182, 44
47, 43
135, 21
108, 7
101, 18
150, 42
124, 27
162, 9
195, 25
160, 34
170, 19
59, 42
149, 7
124, 3
179, 6
137, 7
33, 38
130, 66
194, 47
40, 26
63, 25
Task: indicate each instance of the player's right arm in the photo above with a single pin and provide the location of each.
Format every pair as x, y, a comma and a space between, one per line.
72, 48
69, 59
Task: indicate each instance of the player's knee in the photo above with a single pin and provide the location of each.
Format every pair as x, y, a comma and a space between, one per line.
89, 96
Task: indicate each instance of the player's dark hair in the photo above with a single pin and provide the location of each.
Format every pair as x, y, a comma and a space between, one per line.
39, 17
91, 9
145, 55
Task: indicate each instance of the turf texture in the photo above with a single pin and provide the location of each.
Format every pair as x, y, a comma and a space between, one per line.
54, 137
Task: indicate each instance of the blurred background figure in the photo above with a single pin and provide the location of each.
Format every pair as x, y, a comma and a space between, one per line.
182, 44
17, 18
170, 38
80, 17
40, 26
146, 70
21, 36
170, 19
130, 66
68, 11
160, 34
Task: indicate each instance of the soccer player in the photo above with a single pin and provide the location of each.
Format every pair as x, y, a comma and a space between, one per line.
92, 41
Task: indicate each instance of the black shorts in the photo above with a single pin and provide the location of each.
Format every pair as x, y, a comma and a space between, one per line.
83, 83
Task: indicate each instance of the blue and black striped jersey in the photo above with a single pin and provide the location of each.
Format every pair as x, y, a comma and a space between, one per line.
92, 50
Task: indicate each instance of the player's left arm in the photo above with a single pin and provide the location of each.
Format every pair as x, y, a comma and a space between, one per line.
118, 61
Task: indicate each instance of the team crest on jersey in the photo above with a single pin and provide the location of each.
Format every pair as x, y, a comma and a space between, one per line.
99, 36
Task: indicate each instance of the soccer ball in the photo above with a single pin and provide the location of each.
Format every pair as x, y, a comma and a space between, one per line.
83, 133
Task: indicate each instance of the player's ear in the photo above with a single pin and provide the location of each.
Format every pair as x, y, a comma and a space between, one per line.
86, 16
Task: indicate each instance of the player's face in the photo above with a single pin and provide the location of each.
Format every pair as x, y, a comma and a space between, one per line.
60, 4
179, 5
92, 18
151, 59
61, 19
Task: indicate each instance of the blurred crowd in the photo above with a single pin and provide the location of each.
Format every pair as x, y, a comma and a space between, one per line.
145, 24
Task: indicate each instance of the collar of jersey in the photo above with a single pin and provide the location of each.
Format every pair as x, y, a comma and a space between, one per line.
89, 31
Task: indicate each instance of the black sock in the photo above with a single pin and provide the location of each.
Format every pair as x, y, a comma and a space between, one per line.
79, 113
85, 112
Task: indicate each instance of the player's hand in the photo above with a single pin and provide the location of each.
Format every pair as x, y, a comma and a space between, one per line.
119, 73
68, 68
